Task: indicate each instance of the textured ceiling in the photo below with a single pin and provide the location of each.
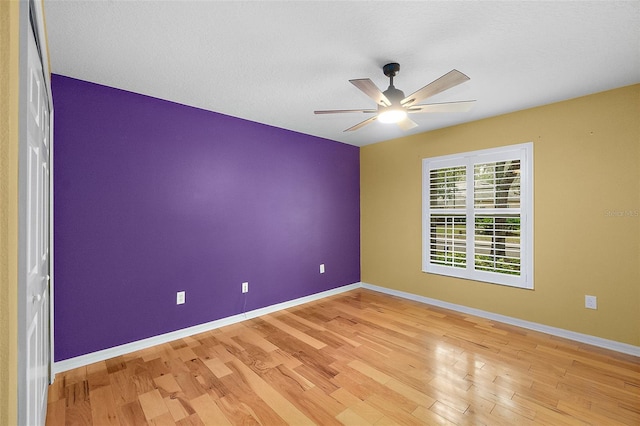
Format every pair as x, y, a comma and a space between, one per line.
277, 62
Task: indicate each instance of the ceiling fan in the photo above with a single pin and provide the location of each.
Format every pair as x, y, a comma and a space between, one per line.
393, 106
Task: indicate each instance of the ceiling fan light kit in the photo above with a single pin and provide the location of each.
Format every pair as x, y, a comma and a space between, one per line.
391, 114
393, 106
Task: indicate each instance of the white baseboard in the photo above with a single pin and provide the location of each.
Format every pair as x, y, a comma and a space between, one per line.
559, 332
82, 360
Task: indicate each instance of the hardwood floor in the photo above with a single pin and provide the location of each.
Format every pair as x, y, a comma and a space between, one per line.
358, 358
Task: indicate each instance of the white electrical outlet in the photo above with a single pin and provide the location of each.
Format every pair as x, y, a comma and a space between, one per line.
322, 268
590, 302
180, 297
245, 287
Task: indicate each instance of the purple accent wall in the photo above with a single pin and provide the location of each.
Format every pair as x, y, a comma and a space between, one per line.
153, 197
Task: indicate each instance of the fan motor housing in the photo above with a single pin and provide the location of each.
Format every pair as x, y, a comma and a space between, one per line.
394, 95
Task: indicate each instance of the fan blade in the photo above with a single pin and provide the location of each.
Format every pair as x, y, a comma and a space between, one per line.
361, 124
460, 106
407, 124
371, 90
447, 81
340, 111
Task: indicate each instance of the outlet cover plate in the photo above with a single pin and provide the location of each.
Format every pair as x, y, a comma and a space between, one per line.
590, 302
322, 268
180, 298
245, 287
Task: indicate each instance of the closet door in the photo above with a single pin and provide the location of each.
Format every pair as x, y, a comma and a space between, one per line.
37, 241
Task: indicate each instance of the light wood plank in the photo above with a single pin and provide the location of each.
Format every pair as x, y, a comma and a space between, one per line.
131, 414
167, 384
56, 413
294, 332
103, 407
274, 399
350, 417
162, 420
208, 411
217, 367
152, 404
176, 409
369, 371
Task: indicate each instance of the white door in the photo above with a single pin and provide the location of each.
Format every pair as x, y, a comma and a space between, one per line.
37, 241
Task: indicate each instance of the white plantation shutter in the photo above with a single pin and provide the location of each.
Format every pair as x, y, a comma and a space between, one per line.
448, 240
447, 200
477, 220
496, 245
448, 188
496, 198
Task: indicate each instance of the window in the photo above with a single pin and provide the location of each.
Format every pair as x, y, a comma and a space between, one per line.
478, 215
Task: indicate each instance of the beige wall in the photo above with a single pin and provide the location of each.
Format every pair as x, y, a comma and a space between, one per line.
9, 52
586, 163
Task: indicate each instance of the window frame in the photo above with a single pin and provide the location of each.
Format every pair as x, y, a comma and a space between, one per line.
522, 152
